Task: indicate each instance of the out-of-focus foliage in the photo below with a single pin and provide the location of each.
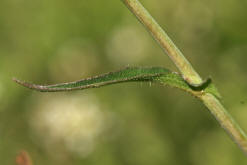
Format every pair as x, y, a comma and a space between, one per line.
56, 41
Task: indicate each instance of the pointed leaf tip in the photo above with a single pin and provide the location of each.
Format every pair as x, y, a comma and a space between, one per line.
130, 74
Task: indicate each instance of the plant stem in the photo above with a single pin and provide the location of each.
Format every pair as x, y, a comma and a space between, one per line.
225, 120
189, 74
165, 42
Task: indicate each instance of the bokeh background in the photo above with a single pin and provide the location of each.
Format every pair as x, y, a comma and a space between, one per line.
52, 41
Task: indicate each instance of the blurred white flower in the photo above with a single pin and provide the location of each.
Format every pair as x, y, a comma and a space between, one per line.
75, 121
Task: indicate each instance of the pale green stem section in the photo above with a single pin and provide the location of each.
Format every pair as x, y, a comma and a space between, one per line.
225, 120
189, 74
165, 42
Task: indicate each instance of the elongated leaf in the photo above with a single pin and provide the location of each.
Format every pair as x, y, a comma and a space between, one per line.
130, 74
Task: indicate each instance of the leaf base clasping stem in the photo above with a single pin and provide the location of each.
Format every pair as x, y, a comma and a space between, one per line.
188, 73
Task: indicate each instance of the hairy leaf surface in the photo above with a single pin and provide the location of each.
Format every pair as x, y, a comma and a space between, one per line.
130, 74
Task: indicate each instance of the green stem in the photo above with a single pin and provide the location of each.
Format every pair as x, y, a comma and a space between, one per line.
225, 120
189, 74
165, 42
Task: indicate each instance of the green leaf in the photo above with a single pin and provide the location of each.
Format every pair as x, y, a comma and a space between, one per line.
130, 74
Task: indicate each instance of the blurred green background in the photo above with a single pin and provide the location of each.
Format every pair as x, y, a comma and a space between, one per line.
51, 41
